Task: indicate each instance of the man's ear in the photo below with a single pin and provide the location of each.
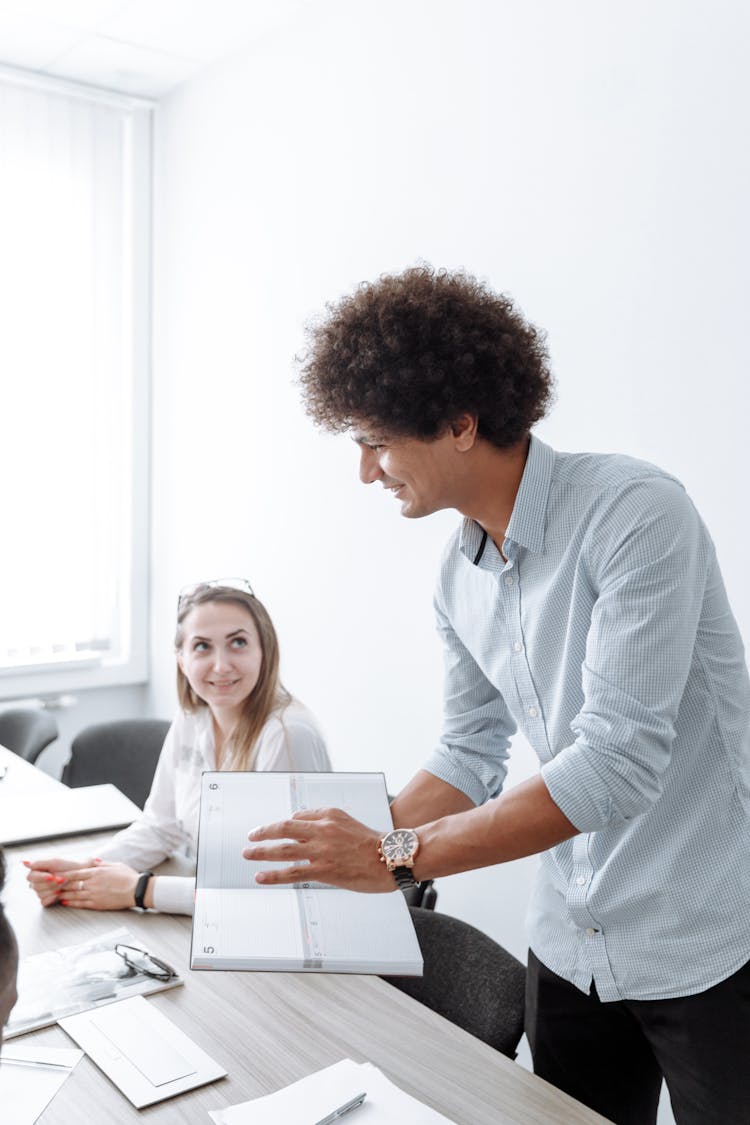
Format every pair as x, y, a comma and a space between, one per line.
464, 430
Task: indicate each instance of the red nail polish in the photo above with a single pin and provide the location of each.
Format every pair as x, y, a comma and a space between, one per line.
64, 901
50, 878
58, 878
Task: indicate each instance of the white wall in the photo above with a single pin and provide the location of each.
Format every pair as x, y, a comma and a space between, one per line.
587, 158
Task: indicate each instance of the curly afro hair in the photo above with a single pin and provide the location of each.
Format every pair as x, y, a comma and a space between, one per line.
408, 353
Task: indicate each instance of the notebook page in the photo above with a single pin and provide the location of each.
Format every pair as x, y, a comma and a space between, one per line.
234, 926
233, 803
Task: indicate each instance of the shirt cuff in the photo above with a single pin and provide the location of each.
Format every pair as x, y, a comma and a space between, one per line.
578, 793
174, 894
444, 767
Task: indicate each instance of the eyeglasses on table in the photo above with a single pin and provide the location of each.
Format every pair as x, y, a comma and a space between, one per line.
140, 961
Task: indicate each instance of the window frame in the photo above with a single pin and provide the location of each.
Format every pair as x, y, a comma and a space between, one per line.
131, 664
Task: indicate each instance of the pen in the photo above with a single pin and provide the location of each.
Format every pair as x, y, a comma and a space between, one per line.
342, 1110
6, 1060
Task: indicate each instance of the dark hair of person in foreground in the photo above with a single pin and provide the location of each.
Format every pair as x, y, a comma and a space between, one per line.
8, 959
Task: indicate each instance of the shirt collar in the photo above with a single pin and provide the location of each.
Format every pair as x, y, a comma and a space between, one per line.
529, 517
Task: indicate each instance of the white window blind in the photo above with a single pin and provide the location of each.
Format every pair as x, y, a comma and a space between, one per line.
74, 359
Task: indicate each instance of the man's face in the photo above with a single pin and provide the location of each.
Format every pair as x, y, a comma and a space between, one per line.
421, 474
8, 973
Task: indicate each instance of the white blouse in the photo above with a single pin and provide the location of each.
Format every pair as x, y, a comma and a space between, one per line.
168, 825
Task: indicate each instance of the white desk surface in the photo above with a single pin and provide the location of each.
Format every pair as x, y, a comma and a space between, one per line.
35, 806
21, 776
269, 1029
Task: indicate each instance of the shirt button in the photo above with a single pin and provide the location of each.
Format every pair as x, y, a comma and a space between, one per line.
508, 580
590, 932
533, 712
517, 646
580, 881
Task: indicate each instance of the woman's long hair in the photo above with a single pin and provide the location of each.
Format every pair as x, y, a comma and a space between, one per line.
268, 695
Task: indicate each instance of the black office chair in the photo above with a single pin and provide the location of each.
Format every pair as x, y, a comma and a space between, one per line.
123, 752
27, 731
469, 979
424, 895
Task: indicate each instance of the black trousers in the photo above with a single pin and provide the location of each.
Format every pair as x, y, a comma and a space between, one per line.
613, 1056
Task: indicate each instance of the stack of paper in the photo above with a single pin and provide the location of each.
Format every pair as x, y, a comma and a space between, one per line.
317, 1097
30, 1076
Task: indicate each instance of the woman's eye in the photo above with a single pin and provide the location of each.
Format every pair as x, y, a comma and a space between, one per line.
239, 642
200, 646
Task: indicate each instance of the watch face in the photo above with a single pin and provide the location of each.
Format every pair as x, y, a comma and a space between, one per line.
399, 845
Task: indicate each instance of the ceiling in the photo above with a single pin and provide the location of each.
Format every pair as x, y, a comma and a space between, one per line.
142, 47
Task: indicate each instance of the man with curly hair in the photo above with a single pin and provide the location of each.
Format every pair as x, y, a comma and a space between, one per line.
580, 601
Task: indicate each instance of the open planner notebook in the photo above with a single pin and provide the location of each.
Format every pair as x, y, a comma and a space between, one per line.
240, 924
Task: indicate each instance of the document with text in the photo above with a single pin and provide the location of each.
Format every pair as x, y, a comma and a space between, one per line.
302, 927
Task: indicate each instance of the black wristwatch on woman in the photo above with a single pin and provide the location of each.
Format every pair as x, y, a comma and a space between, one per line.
141, 888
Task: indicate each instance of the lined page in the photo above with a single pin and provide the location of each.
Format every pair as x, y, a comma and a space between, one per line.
234, 802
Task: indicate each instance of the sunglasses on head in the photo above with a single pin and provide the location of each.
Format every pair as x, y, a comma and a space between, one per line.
188, 592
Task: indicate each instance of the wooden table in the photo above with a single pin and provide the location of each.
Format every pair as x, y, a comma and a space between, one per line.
269, 1029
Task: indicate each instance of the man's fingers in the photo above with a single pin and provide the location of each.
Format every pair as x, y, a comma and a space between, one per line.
285, 875
301, 826
311, 814
282, 830
276, 852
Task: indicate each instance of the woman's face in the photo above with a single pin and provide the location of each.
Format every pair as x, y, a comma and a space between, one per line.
221, 655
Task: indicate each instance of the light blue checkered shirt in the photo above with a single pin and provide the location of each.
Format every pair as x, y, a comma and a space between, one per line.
607, 638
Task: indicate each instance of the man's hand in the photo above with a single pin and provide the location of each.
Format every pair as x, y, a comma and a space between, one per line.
323, 846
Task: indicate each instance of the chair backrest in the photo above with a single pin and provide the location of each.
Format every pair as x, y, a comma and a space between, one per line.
424, 895
469, 979
124, 752
27, 731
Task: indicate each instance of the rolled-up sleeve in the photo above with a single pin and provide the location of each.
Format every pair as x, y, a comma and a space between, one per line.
649, 557
477, 726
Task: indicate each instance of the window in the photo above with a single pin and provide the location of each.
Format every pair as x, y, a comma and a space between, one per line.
74, 354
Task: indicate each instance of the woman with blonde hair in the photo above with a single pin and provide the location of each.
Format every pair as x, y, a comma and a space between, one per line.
234, 714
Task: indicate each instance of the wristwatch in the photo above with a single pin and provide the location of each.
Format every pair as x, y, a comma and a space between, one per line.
140, 889
397, 850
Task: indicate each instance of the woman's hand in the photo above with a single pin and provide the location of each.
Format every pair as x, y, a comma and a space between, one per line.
47, 876
95, 886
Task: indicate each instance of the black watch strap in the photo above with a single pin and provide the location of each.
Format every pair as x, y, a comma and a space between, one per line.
404, 878
140, 888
